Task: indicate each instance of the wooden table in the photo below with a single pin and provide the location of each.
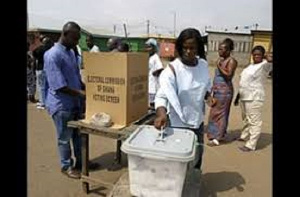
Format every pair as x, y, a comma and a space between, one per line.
85, 129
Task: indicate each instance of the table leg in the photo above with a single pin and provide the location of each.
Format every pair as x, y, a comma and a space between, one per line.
118, 153
116, 165
85, 159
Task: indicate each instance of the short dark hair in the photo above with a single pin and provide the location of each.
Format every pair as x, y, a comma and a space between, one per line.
124, 47
70, 25
188, 34
90, 36
260, 48
48, 42
228, 44
115, 42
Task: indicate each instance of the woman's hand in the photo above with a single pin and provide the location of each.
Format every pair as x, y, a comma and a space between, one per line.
211, 101
161, 118
269, 57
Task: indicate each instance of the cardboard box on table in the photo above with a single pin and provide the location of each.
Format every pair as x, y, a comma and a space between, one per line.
117, 84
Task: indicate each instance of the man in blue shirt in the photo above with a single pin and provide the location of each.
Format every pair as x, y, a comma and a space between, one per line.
64, 91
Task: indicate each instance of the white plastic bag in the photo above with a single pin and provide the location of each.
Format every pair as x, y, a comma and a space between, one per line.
101, 119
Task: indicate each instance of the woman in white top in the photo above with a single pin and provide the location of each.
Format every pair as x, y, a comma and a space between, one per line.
252, 95
184, 86
155, 68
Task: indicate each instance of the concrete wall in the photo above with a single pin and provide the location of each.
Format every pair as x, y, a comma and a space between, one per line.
242, 47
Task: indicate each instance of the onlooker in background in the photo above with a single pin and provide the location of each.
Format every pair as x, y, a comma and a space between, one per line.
270, 56
252, 95
31, 84
77, 52
90, 43
38, 53
184, 86
123, 47
155, 68
222, 91
64, 92
113, 44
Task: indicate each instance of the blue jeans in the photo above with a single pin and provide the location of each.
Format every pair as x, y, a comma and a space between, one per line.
64, 136
40, 84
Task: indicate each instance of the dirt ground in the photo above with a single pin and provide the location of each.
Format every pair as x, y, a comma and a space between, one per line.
227, 172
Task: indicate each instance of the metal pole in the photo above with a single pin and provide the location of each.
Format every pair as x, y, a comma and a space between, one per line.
174, 24
148, 27
125, 30
27, 21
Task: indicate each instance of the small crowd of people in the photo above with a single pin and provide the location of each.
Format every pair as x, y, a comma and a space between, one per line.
178, 93
55, 69
35, 63
185, 88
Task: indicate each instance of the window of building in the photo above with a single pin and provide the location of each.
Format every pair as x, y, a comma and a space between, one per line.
247, 47
235, 47
210, 45
243, 47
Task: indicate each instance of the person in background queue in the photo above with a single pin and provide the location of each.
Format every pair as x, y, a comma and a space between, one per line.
251, 96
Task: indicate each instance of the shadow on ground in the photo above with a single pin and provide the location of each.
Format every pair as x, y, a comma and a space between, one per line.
212, 183
107, 161
264, 140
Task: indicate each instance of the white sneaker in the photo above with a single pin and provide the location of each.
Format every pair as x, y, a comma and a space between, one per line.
40, 107
216, 142
213, 142
38, 104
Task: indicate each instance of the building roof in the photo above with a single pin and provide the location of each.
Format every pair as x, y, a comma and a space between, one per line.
38, 22
158, 36
43, 30
47, 24
238, 32
264, 31
97, 31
